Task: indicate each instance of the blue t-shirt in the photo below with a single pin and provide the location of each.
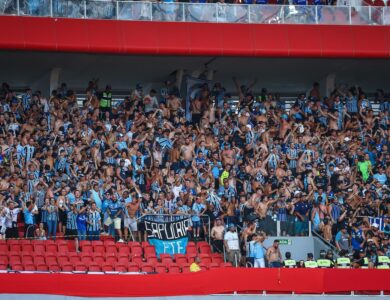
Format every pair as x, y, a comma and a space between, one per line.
128, 199
81, 222
114, 207
256, 250
216, 169
96, 198
382, 179
302, 208
71, 198
197, 209
200, 160
28, 216
357, 239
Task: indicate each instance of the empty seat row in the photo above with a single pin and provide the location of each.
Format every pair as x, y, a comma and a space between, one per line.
34, 248
114, 249
108, 256
106, 267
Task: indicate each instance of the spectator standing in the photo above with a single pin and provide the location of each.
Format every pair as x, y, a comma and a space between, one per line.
82, 222
52, 219
256, 250
232, 245
217, 235
274, 257
342, 240
11, 216
94, 223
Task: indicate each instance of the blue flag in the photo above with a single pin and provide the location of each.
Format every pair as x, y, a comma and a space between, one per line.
168, 237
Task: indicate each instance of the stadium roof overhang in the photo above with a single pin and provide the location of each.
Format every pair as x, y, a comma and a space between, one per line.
22, 69
282, 57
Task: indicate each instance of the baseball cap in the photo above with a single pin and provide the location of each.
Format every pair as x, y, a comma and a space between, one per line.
376, 225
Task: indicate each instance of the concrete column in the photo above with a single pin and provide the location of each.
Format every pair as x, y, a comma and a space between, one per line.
179, 78
54, 79
210, 75
330, 83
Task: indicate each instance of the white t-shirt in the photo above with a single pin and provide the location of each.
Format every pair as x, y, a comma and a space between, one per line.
176, 190
129, 136
127, 162
11, 216
232, 240
150, 103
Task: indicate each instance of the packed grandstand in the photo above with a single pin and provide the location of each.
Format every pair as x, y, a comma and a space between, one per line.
86, 184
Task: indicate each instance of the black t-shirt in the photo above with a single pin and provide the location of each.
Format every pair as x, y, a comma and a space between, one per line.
273, 180
321, 182
247, 211
213, 215
383, 207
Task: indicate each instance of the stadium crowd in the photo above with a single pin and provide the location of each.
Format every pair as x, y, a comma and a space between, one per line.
100, 168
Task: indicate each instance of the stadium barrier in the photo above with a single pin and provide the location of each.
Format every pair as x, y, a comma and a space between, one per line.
199, 12
218, 281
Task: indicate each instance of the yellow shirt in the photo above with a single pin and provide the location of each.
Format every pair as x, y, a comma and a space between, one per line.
194, 267
225, 174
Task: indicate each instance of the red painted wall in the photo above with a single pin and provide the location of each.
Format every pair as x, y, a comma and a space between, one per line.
164, 38
225, 280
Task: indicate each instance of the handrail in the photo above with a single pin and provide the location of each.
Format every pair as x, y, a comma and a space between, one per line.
199, 12
330, 245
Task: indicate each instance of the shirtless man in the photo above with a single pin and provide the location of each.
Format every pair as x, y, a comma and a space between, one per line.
217, 234
265, 221
196, 107
281, 170
274, 256
174, 104
227, 155
187, 150
131, 219
333, 120
326, 229
243, 118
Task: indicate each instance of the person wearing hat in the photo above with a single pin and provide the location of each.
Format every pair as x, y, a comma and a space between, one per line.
375, 227
329, 255
288, 262
360, 260
323, 262
342, 239
310, 262
232, 245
